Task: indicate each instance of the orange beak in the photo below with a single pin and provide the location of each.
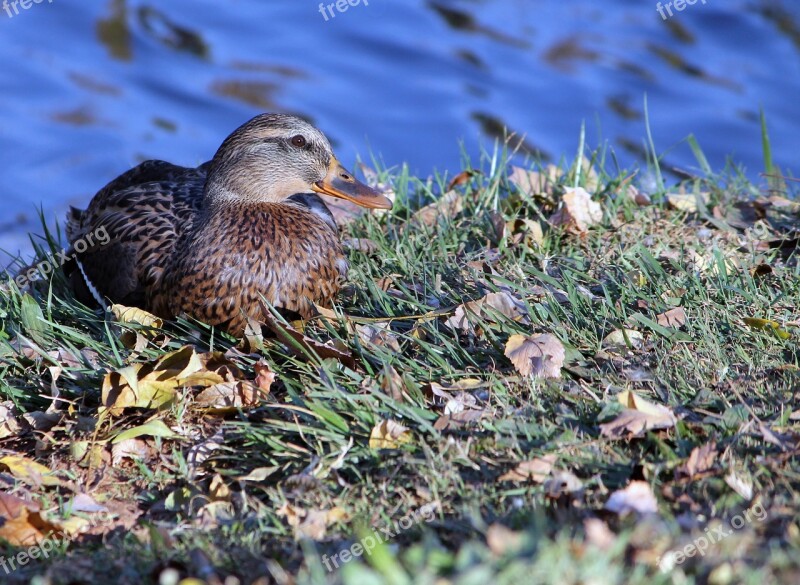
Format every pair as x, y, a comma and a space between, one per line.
341, 183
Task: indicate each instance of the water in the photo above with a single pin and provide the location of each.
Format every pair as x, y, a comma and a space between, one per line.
90, 89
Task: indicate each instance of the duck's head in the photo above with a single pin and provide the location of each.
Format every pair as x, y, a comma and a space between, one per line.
275, 156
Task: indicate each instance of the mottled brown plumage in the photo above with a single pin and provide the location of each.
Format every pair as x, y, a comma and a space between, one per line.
210, 242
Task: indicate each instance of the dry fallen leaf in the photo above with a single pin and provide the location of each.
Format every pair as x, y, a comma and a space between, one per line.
303, 346
636, 497
700, 460
21, 523
562, 483
535, 184
311, 524
264, 376
229, 397
538, 356
578, 212
623, 340
447, 206
487, 308
502, 541
536, 470
638, 417
674, 318
29, 471
379, 334
137, 316
150, 385
388, 434
9, 424
687, 202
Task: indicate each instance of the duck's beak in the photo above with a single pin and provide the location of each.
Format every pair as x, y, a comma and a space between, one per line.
341, 183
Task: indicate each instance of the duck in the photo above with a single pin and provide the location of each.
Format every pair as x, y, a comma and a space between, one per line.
212, 242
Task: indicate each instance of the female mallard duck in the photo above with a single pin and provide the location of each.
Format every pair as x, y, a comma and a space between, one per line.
211, 242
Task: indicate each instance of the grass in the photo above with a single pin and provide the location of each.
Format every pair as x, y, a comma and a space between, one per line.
271, 493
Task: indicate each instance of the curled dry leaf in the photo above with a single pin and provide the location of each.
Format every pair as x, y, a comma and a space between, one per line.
133, 449
155, 384
21, 523
535, 184
9, 424
311, 524
538, 356
228, 397
388, 434
674, 318
578, 212
687, 202
637, 497
29, 471
447, 206
701, 460
303, 346
536, 470
380, 335
638, 417
562, 483
503, 541
487, 308
136, 316
623, 339
264, 376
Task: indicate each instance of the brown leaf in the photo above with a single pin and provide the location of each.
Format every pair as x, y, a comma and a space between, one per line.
21, 523
447, 206
536, 470
700, 460
578, 212
674, 318
539, 356
264, 376
9, 424
461, 178
638, 417
229, 397
459, 419
562, 483
636, 497
380, 335
535, 184
302, 346
487, 308
503, 541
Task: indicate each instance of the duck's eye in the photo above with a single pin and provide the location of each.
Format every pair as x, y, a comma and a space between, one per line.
299, 141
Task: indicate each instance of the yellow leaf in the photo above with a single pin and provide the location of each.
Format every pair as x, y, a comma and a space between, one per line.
388, 434
29, 471
767, 325
134, 315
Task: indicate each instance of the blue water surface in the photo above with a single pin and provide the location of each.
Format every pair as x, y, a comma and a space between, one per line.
91, 88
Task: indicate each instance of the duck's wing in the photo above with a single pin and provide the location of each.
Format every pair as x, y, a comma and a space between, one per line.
121, 243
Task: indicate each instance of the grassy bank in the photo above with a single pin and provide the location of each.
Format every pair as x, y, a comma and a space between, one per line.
517, 386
